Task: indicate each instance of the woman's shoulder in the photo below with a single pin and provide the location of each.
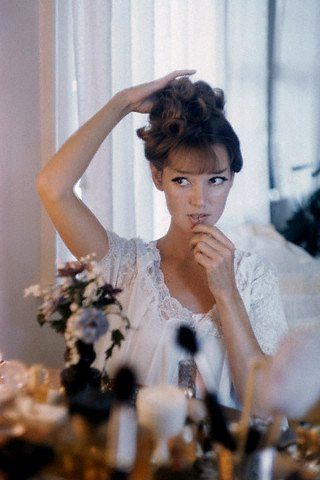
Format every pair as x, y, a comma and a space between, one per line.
252, 262
252, 269
133, 249
125, 259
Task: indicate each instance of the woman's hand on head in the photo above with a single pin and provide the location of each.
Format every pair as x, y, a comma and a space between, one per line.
140, 98
215, 252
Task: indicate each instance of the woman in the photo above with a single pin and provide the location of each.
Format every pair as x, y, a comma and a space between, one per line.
193, 274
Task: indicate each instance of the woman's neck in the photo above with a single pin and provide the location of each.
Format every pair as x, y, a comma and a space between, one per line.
175, 245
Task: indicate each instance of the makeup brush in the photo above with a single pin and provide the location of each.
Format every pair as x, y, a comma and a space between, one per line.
186, 338
122, 426
124, 385
247, 439
218, 431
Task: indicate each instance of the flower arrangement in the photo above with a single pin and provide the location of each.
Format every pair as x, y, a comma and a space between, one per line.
79, 306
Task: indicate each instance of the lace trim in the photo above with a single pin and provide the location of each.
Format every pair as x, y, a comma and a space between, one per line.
170, 307
119, 249
254, 278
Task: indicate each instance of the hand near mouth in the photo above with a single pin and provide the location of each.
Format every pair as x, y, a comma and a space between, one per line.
215, 252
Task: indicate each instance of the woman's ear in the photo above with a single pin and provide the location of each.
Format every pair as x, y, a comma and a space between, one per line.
156, 177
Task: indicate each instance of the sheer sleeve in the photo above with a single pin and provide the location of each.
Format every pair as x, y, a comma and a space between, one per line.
266, 311
119, 264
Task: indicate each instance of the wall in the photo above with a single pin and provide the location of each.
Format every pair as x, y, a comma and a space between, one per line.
21, 150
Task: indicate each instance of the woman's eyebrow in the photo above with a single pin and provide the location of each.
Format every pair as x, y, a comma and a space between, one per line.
213, 172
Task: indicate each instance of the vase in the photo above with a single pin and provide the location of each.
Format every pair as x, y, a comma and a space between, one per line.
80, 376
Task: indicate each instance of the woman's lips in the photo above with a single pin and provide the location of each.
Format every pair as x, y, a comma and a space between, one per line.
197, 218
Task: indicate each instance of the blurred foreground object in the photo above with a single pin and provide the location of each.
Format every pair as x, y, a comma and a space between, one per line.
292, 385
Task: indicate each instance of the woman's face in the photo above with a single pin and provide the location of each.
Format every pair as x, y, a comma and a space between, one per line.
192, 197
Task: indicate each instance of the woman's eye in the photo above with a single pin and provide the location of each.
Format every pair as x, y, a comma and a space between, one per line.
218, 180
180, 181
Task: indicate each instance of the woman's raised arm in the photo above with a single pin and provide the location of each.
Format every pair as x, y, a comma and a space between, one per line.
76, 224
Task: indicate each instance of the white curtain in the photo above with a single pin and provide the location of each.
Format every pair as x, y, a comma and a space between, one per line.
296, 111
246, 31
104, 46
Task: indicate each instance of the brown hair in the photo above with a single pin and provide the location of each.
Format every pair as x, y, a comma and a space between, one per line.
188, 115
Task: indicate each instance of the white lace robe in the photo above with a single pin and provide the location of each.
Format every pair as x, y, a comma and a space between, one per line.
134, 266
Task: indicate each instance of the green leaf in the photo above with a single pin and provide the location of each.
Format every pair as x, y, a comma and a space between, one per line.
127, 322
109, 351
64, 310
102, 302
117, 337
59, 325
41, 319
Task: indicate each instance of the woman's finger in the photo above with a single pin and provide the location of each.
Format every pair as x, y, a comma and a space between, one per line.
207, 249
213, 242
145, 91
203, 260
179, 73
214, 232
164, 81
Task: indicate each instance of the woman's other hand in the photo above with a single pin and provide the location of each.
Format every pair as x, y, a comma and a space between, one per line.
139, 98
215, 252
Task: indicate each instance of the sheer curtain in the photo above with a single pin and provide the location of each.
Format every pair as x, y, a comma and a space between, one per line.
246, 51
103, 46
296, 109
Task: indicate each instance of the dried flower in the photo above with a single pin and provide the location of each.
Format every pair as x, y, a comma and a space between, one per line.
88, 324
78, 306
32, 290
70, 269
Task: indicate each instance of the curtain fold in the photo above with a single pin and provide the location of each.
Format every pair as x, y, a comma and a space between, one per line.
91, 32
188, 34
246, 108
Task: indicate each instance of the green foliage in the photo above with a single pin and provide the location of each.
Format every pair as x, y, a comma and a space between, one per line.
41, 319
117, 338
59, 326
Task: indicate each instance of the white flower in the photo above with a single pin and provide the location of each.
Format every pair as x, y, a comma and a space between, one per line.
66, 283
90, 291
74, 307
101, 281
32, 290
112, 308
48, 307
97, 269
88, 258
74, 356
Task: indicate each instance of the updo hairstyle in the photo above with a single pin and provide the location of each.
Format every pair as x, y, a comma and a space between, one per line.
188, 115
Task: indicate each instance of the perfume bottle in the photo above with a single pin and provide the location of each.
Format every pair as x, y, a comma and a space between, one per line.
187, 371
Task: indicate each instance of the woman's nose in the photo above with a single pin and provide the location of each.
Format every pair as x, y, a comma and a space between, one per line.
198, 197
